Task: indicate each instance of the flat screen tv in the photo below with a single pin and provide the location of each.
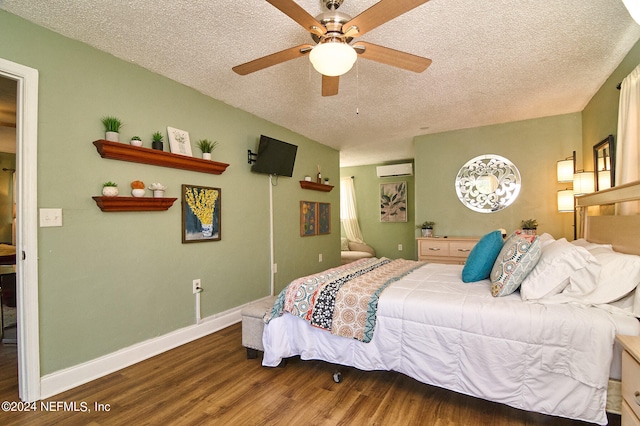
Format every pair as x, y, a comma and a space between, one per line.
275, 157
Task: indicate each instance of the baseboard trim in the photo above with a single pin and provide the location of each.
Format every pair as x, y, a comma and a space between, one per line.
69, 378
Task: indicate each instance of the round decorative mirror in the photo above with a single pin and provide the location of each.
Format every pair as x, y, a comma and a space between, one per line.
488, 183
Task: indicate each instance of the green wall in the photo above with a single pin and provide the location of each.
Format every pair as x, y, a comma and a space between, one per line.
110, 280
600, 116
383, 237
534, 146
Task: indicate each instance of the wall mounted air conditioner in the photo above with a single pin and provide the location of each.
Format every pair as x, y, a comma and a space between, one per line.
405, 169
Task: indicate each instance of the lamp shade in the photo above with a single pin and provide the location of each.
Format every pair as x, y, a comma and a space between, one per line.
332, 58
565, 200
565, 170
583, 183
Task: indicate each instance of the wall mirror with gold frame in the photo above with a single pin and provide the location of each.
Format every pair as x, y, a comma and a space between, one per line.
604, 156
488, 183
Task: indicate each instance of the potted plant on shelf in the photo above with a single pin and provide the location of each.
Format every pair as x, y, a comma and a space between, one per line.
136, 141
110, 189
158, 190
137, 188
529, 226
206, 146
427, 228
157, 141
111, 128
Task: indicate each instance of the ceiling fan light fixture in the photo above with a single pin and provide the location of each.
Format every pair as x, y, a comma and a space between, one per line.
332, 58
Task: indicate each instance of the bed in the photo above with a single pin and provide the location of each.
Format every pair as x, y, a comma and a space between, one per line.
547, 346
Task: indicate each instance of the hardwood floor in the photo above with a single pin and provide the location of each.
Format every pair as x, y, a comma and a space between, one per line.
210, 381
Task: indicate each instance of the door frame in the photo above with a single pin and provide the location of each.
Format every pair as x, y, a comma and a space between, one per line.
26, 227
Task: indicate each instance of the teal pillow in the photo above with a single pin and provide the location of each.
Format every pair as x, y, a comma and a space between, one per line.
482, 257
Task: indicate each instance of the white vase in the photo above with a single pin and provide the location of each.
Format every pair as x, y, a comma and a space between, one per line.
112, 136
427, 232
135, 142
158, 193
206, 155
137, 192
110, 191
207, 230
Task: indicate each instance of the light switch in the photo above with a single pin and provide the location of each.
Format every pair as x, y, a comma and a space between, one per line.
50, 217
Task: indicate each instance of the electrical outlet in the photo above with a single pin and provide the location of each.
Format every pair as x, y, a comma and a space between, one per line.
320, 257
197, 288
399, 247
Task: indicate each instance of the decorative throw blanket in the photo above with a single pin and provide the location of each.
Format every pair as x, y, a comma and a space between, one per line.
342, 300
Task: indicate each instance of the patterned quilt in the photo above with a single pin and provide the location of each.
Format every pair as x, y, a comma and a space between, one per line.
342, 300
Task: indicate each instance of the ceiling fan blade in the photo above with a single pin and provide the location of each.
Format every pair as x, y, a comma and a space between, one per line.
273, 59
301, 16
330, 85
378, 14
392, 57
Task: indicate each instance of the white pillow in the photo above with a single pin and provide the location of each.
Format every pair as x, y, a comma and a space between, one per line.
581, 242
619, 276
546, 239
563, 267
344, 244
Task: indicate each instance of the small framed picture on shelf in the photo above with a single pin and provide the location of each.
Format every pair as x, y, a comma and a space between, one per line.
201, 219
179, 141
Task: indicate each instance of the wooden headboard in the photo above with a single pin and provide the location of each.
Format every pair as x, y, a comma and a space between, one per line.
600, 219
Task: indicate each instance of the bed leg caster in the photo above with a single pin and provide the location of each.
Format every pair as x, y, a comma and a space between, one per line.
252, 353
337, 377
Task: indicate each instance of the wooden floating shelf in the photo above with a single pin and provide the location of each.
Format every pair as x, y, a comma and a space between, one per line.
305, 184
133, 204
134, 154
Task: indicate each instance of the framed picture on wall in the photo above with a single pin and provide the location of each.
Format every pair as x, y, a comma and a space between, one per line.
324, 218
308, 218
393, 202
201, 220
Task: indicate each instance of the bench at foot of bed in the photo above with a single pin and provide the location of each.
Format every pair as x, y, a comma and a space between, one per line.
252, 325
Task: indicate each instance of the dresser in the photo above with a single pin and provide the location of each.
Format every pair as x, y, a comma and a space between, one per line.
453, 250
630, 380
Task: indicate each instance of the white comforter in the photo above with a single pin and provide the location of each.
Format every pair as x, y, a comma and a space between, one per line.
551, 359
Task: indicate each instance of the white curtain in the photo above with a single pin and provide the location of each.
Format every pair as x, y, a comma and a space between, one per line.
349, 210
627, 156
627, 159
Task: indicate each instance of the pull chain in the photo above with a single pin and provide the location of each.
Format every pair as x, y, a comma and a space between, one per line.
357, 88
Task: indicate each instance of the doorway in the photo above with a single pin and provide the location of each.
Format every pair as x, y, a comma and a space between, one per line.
25, 82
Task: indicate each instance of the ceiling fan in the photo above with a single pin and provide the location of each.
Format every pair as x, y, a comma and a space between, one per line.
333, 32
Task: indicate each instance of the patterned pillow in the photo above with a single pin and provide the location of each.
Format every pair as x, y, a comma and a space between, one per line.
517, 258
482, 257
344, 244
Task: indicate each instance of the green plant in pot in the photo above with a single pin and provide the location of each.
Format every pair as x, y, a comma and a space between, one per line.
110, 189
111, 128
427, 228
136, 141
206, 146
529, 226
157, 141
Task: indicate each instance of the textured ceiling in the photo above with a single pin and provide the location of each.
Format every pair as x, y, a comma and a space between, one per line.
494, 61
